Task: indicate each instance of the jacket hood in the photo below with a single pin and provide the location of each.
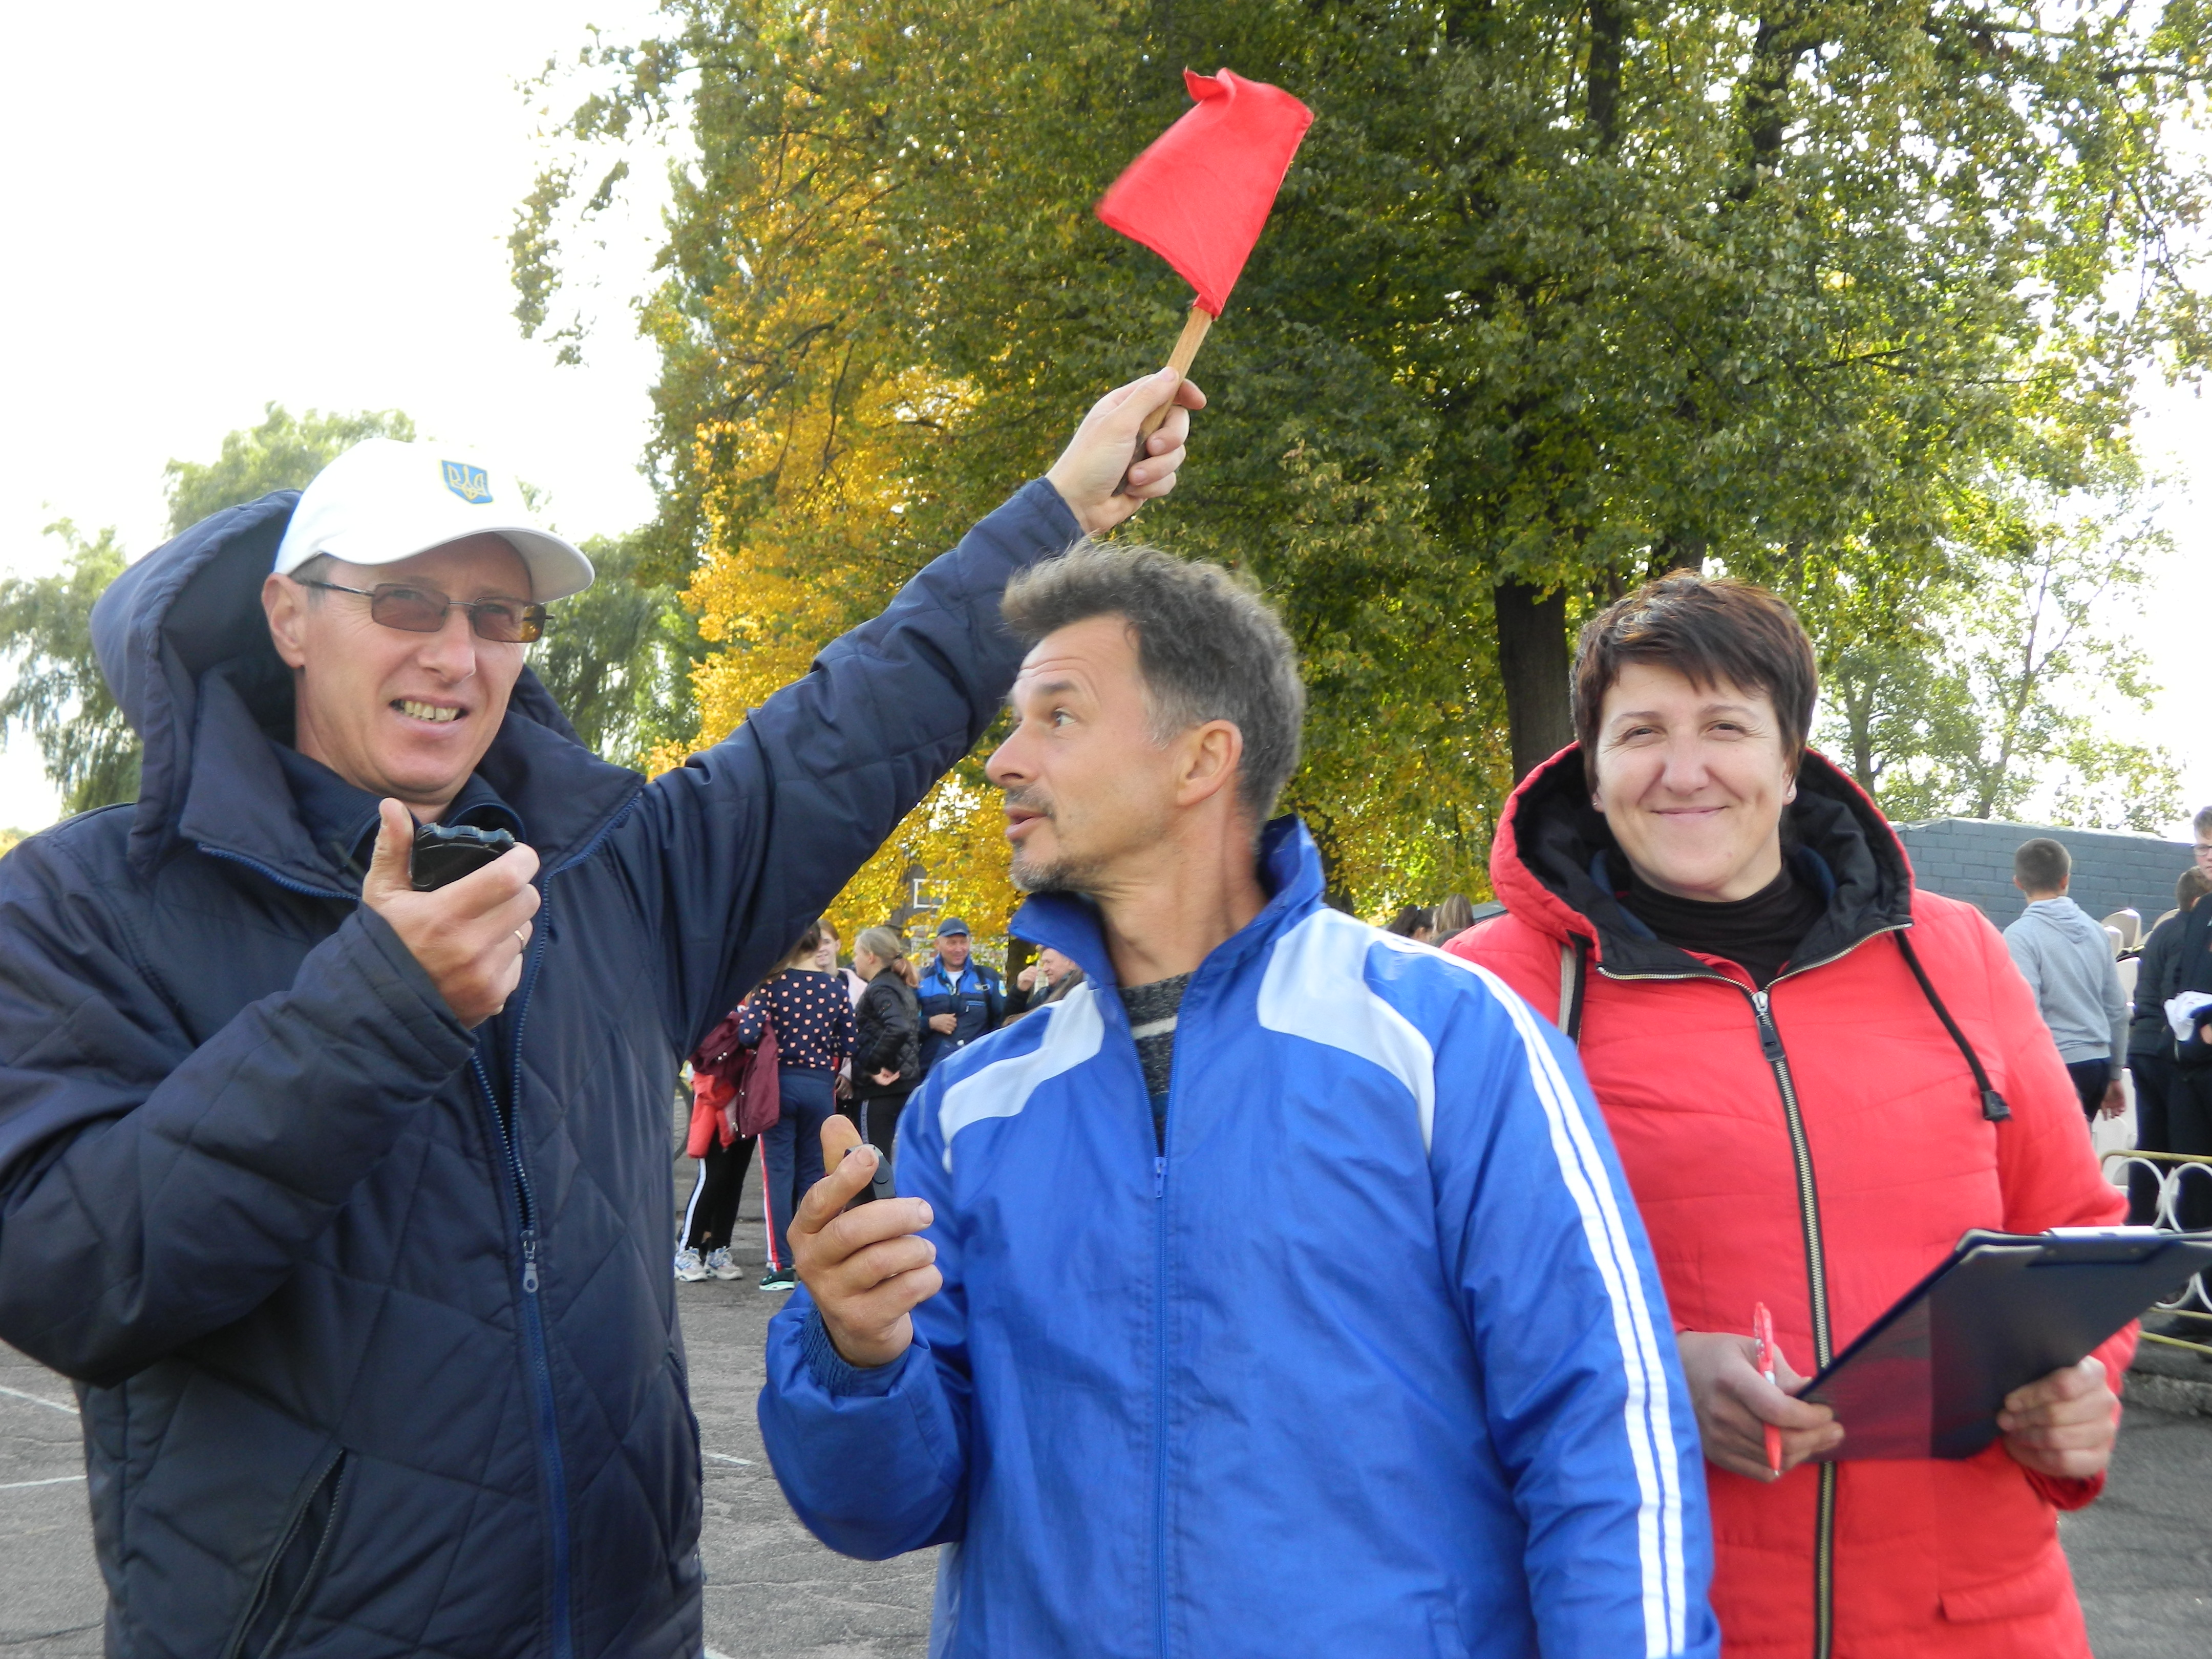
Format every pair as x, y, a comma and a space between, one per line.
2065, 917
1290, 870
183, 644
1556, 865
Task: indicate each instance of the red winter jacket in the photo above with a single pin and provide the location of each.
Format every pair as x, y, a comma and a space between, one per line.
1917, 1558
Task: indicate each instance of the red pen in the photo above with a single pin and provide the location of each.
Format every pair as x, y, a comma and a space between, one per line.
1762, 1331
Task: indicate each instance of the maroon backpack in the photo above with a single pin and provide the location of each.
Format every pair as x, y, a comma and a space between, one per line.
757, 1100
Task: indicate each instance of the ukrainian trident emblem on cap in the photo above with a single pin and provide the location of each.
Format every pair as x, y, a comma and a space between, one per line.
467, 481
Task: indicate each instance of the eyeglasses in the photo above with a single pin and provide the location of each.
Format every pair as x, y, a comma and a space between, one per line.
420, 610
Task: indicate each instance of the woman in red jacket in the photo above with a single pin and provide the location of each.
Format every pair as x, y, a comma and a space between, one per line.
1818, 1077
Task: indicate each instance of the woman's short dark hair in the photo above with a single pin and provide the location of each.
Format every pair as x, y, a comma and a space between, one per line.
1712, 631
1409, 921
1209, 648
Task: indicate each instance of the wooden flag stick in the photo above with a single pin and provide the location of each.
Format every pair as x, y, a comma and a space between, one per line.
1185, 353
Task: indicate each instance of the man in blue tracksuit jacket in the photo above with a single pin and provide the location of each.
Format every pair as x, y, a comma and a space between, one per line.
1276, 1293
363, 1274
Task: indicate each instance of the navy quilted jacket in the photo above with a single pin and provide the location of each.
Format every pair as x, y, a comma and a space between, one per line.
362, 1373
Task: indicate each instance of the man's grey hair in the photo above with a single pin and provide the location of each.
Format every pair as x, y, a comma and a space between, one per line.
314, 569
1208, 646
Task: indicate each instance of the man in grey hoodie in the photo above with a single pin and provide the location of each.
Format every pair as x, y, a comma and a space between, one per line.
2067, 959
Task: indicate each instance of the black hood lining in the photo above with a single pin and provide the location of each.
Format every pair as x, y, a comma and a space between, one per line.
183, 642
1560, 836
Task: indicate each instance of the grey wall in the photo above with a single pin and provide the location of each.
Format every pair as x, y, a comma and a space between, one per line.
1971, 859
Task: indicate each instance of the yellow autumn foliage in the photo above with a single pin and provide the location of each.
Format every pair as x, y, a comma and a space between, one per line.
820, 454
803, 508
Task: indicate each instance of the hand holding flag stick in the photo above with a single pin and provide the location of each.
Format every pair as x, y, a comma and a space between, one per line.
1199, 194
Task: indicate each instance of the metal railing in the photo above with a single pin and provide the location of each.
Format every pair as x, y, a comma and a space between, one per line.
2173, 1171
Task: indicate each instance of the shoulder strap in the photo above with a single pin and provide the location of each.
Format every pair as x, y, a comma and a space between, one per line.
1574, 979
1993, 1104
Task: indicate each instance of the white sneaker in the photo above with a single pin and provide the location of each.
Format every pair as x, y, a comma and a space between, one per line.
689, 1268
719, 1264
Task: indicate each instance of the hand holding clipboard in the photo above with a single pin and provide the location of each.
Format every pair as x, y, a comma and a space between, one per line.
1988, 1329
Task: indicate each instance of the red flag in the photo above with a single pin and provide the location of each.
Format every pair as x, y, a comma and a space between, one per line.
1199, 194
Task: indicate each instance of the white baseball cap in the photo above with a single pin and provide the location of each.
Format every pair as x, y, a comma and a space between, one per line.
384, 501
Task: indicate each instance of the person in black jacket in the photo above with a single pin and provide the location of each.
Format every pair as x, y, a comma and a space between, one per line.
1047, 980
886, 1045
347, 1206
2189, 1095
2150, 1041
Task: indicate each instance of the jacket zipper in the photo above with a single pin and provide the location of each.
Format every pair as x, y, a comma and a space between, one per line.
1816, 1273
1160, 1395
533, 1323
282, 881
548, 1428
1160, 1300
1816, 1260
259, 1603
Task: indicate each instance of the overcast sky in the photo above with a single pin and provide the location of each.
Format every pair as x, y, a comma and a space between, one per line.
217, 206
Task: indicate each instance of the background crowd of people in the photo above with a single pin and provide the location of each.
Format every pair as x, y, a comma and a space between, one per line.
861, 1061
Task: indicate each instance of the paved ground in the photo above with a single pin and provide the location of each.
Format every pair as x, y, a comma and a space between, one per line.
2143, 1557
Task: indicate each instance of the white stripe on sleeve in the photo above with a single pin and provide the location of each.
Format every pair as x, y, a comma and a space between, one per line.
1647, 1413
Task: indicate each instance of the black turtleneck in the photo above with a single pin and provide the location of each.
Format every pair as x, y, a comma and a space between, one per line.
1758, 933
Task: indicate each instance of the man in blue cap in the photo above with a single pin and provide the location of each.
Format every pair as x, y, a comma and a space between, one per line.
960, 998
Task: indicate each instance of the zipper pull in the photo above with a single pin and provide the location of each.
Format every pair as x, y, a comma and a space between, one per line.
1159, 1174
1770, 1040
530, 1260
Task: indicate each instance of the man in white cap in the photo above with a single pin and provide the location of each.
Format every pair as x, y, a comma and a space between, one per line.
346, 1200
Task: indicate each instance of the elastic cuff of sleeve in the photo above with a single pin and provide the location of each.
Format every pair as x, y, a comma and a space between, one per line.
837, 1376
1041, 492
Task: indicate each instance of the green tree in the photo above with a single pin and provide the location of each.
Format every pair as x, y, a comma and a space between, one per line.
1557, 297
284, 452
58, 697
619, 657
1976, 701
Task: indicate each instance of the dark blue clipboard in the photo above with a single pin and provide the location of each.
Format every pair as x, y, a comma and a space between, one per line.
1928, 1378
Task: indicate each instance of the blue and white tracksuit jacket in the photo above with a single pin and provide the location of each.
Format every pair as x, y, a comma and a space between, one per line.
1374, 1360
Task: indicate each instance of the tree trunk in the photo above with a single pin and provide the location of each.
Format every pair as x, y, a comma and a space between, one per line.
1533, 664
1608, 27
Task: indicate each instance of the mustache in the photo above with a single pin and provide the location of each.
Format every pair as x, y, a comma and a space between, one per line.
1029, 798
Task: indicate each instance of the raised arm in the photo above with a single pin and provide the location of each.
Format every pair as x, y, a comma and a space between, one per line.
734, 850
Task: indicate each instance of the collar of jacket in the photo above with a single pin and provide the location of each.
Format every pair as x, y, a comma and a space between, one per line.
183, 644
1290, 870
1554, 850
341, 818
955, 983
